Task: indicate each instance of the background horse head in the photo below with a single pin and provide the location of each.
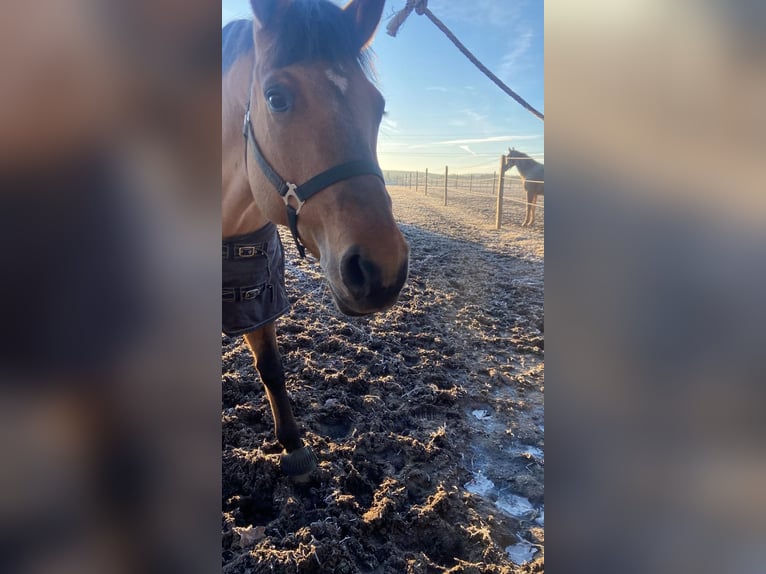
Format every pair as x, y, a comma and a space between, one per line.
312, 108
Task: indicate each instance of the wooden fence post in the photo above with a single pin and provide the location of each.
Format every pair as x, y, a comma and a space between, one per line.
446, 174
499, 208
417, 175
426, 184
470, 183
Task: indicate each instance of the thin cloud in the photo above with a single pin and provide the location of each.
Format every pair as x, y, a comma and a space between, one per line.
474, 116
485, 140
391, 145
479, 12
466, 148
512, 60
437, 89
462, 142
390, 125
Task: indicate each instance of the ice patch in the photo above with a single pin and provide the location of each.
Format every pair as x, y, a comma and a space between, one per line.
521, 552
481, 414
479, 485
516, 506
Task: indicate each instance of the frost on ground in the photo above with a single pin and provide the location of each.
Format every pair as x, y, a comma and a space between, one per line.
427, 420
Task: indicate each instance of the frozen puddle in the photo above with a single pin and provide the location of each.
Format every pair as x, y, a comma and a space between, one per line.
493, 454
516, 506
479, 485
521, 552
513, 505
481, 414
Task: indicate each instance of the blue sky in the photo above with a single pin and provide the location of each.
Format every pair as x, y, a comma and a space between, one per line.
441, 109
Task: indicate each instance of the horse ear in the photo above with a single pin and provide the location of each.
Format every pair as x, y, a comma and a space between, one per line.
264, 11
365, 16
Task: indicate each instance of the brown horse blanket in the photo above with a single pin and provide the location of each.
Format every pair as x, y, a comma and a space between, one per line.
253, 280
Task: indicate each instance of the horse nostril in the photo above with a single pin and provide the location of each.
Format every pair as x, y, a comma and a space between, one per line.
359, 274
363, 280
352, 272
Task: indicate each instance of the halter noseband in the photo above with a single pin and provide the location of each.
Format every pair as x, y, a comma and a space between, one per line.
301, 193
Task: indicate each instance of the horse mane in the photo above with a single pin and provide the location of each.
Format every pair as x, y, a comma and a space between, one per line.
236, 39
516, 154
308, 30
520, 156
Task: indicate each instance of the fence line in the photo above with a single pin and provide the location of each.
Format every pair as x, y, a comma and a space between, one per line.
475, 187
400, 177
523, 202
410, 153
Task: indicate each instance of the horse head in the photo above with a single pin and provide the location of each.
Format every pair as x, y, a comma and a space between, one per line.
312, 109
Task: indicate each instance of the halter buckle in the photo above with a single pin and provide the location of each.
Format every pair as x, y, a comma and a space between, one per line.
291, 187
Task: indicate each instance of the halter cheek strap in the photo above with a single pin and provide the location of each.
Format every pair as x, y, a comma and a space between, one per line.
301, 193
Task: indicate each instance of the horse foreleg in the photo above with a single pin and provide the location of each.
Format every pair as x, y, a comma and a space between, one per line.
532, 208
297, 458
528, 213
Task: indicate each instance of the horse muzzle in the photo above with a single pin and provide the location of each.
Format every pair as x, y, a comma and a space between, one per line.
362, 288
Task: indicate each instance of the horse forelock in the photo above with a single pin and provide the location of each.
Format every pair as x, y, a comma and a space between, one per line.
312, 30
308, 30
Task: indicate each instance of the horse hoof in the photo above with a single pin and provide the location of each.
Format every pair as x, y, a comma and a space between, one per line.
299, 462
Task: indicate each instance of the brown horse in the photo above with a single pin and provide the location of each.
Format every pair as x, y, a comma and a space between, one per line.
532, 177
300, 125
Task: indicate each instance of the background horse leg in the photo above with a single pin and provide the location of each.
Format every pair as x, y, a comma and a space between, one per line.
298, 459
529, 214
532, 208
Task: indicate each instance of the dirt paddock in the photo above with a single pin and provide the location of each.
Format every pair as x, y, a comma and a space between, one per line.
427, 420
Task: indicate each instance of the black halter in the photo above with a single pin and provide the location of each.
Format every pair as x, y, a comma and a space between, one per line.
301, 193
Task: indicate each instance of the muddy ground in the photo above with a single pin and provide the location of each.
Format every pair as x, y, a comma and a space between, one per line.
427, 420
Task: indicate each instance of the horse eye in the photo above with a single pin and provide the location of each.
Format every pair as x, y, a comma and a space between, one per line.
277, 100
